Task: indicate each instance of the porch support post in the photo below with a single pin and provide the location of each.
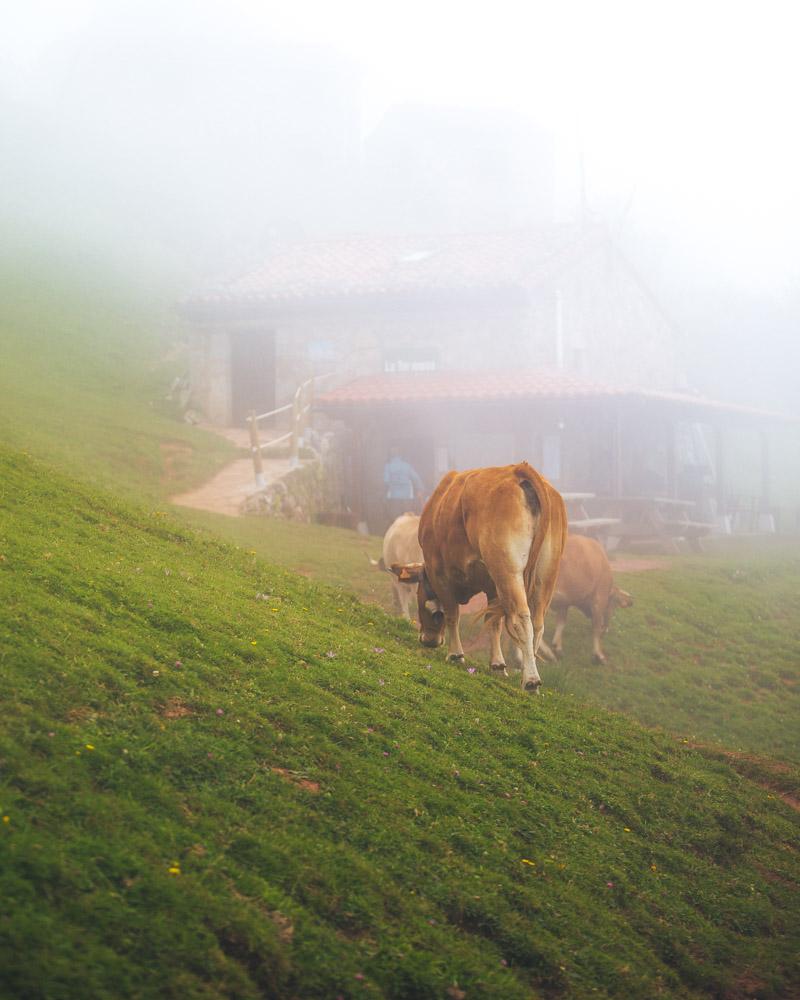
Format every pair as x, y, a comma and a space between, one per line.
616, 451
672, 479
765, 476
359, 486
719, 472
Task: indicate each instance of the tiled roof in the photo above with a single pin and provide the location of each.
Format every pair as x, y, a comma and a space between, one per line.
499, 386
381, 265
468, 386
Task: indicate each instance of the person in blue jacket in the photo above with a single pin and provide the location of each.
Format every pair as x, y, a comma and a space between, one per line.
404, 488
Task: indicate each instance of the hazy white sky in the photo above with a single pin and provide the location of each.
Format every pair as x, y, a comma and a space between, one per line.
689, 107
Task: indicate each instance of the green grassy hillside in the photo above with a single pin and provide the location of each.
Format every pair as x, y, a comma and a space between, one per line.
222, 780
84, 371
709, 652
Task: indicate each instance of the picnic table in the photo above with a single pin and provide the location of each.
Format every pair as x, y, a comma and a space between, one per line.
581, 523
658, 519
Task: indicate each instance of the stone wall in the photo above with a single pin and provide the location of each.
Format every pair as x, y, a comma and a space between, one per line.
210, 374
298, 496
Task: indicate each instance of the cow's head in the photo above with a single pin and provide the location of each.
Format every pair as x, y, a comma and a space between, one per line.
621, 598
431, 616
616, 599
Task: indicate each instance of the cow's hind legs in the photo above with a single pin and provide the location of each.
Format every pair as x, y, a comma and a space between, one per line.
561, 621
455, 651
598, 625
520, 627
496, 659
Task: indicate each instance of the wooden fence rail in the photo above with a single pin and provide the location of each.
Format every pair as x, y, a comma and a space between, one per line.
300, 407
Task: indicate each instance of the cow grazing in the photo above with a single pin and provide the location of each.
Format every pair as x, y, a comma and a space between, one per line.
401, 545
499, 531
585, 582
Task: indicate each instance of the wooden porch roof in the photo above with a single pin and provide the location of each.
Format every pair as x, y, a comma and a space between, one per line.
399, 389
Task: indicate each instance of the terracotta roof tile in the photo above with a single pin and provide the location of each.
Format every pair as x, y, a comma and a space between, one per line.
381, 265
497, 386
468, 386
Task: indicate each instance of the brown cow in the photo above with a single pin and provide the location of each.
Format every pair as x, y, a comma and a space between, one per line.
401, 545
499, 531
585, 582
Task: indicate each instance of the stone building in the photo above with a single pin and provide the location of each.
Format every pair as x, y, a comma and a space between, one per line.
479, 349
553, 297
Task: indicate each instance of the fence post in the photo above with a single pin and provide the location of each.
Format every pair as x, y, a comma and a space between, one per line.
297, 415
255, 448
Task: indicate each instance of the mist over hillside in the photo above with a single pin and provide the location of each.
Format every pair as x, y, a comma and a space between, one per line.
185, 143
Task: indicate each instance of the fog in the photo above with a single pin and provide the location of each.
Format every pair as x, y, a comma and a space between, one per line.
181, 141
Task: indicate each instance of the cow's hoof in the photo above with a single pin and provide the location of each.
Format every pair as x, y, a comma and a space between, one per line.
499, 668
598, 659
533, 686
455, 658
558, 653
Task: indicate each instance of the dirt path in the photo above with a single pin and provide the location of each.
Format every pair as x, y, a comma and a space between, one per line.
226, 491
772, 775
630, 564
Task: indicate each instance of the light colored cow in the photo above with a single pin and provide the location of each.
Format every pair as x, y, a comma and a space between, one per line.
499, 531
401, 545
585, 581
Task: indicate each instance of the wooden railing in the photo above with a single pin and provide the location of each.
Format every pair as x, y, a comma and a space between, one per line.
300, 408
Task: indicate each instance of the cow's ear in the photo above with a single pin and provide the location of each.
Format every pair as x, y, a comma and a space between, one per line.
410, 573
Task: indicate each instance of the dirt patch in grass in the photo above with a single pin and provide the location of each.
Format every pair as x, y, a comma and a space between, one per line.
630, 564
82, 713
284, 925
774, 776
174, 456
175, 709
745, 986
297, 779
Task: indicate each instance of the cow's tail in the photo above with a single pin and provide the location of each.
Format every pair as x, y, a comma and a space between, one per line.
540, 502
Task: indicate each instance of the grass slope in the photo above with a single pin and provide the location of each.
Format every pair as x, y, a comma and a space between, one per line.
209, 794
83, 387
709, 652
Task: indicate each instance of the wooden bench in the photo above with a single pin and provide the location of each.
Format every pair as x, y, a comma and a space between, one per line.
592, 523
596, 527
692, 531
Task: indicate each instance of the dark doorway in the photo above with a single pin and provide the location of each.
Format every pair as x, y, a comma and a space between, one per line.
252, 373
